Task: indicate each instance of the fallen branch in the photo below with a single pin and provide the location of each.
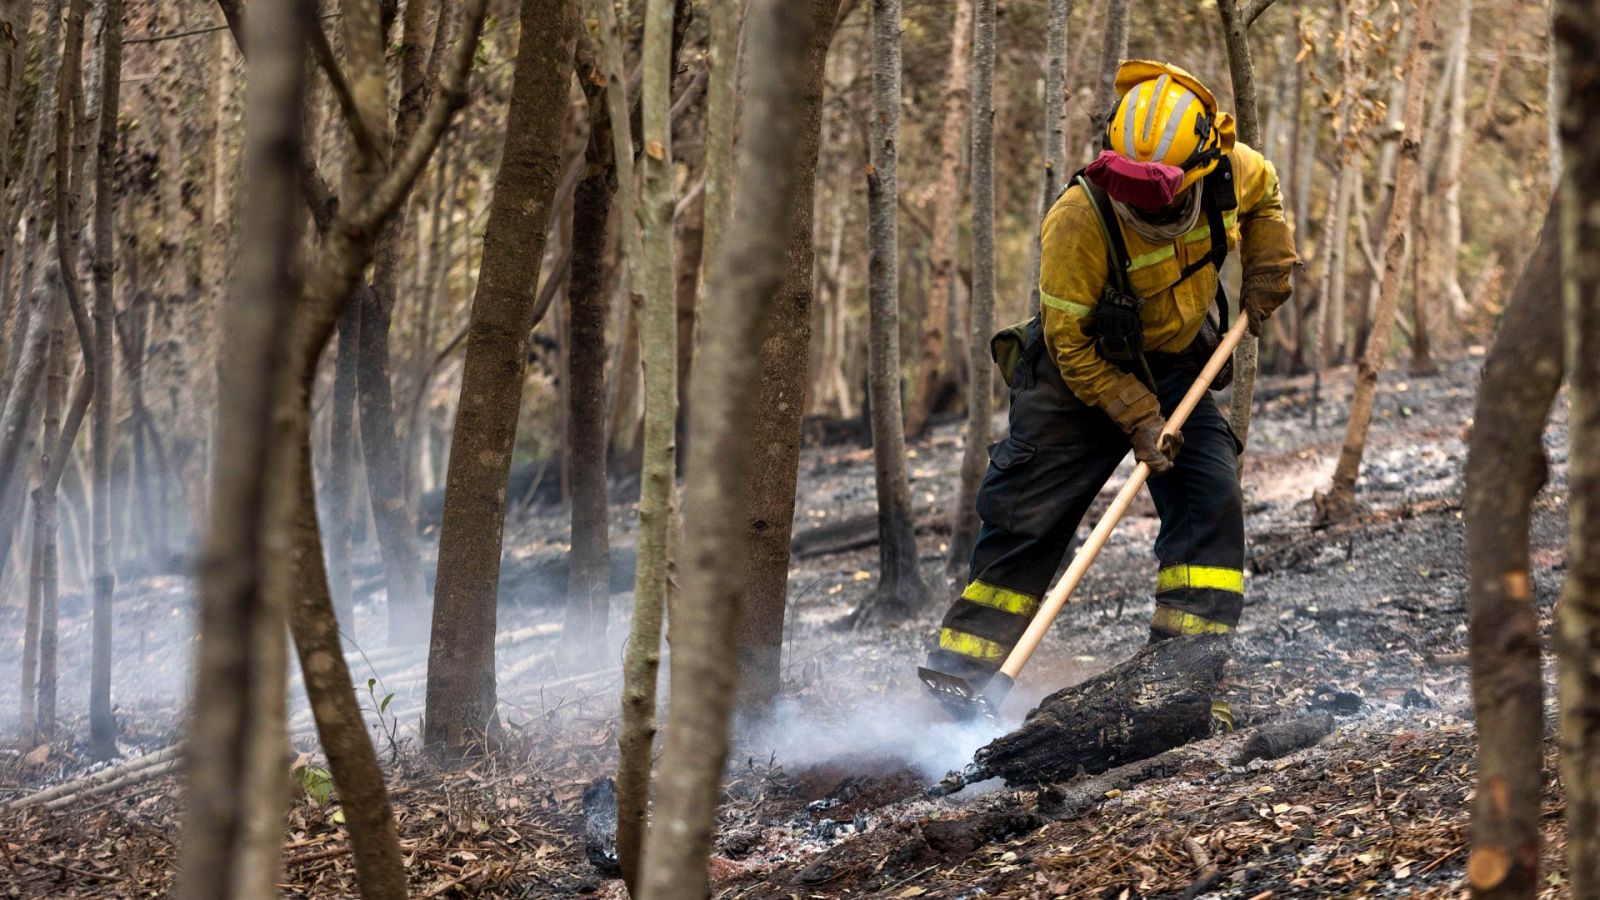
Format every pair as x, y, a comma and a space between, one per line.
111, 773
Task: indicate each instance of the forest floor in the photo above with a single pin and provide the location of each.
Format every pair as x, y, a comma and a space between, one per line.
1366, 620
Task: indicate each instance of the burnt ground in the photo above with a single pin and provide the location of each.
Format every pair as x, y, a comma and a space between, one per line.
1366, 620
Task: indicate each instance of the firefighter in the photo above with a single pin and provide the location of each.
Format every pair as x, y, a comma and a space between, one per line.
1110, 353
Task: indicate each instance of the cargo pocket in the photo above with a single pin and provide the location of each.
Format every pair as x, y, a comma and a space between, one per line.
1005, 482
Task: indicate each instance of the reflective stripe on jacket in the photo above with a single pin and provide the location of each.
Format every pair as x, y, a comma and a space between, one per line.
1073, 274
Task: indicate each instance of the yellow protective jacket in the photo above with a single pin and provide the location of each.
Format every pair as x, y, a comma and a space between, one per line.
1073, 272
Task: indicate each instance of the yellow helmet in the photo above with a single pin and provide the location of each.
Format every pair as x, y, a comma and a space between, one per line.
1166, 115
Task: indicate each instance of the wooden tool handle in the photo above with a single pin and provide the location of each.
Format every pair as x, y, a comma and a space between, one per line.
1058, 596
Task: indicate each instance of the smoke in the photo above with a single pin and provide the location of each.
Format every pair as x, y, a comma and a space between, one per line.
880, 732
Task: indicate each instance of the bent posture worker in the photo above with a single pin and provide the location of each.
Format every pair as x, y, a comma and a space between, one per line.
1110, 353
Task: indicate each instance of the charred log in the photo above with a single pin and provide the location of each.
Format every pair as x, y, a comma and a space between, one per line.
600, 826
1158, 700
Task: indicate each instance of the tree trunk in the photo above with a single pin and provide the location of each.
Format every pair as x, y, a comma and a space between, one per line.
1053, 139
47, 574
1340, 500
946, 204
340, 490
689, 253
1112, 51
775, 420
341, 726
589, 574
237, 788
1422, 363
980, 384
1578, 616
461, 687
406, 589
28, 708
102, 724
722, 113
16, 422
1447, 277
1505, 470
14, 20
900, 590
1241, 67
1332, 247
30, 213
658, 349
749, 270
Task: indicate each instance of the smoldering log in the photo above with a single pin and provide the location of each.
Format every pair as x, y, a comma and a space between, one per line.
600, 826
1283, 737
1158, 700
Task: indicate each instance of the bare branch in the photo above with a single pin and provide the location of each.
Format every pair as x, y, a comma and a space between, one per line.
388, 193
1254, 10
319, 197
322, 51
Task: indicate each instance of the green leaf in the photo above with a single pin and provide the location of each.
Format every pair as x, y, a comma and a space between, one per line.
372, 683
338, 816
317, 782
385, 704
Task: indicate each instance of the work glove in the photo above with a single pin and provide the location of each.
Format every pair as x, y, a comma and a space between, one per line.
1153, 448
1260, 297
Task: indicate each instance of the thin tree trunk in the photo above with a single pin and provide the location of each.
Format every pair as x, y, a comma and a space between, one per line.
589, 573
901, 591
1505, 470
689, 252
429, 290
658, 349
236, 791
14, 21
1447, 278
340, 490
47, 574
1236, 35
102, 724
750, 270
1114, 48
947, 196
16, 422
1053, 140
1578, 616
722, 110
341, 726
380, 441
404, 582
1332, 248
775, 420
980, 386
461, 686
1422, 363
28, 708
32, 209
1340, 500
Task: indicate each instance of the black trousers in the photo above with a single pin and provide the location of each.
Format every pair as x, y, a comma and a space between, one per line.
1040, 482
